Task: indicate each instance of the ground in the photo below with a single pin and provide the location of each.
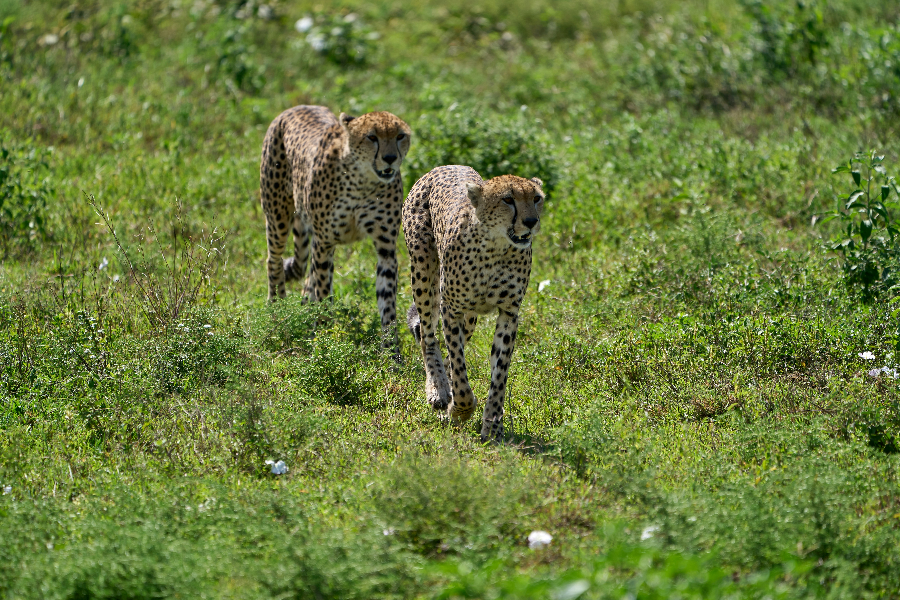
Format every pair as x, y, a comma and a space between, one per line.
690, 404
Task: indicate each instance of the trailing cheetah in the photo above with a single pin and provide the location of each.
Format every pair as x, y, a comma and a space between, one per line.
332, 181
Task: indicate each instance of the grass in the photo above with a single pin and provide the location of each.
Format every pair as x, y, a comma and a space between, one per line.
689, 411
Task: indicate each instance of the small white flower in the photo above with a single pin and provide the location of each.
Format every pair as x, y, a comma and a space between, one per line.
115, 277
648, 532
49, 39
303, 25
81, 82
317, 41
539, 539
278, 468
542, 285
887, 371
389, 531
866, 355
350, 17
265, 12
103, 264
7, 489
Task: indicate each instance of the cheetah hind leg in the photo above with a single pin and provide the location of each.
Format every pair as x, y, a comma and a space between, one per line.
295, 266
437, 385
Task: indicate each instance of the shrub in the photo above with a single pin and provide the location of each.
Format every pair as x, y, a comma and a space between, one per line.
235, 63
489, 143
334, 369
791, 39
25, 188
344, 40
448, 504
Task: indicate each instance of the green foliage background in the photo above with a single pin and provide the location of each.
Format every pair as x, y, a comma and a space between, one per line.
691, 411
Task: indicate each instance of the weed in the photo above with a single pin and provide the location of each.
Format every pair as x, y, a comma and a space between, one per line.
178, 277
868, 249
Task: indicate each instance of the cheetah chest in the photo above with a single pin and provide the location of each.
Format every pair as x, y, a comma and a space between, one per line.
484, 281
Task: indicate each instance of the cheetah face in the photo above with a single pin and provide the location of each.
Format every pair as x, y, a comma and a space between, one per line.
510, 207
378, 142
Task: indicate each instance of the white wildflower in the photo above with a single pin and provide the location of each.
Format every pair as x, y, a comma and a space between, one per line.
886, 371
303, 25
278, 468
265, 12
539, 539
317, 41
866, 355
350, 17
103, 264
542, 285
49, 39
7, 489
389, 531
648, 532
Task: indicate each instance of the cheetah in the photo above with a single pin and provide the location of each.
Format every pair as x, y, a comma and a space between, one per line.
469, 247
333, 181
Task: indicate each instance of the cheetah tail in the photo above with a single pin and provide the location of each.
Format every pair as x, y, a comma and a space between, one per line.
412, 319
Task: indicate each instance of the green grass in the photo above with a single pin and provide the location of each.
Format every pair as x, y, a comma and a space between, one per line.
688, 412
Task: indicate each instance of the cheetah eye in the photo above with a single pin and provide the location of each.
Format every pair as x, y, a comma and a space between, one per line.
538, 199
509, 200
401, 136
373, 138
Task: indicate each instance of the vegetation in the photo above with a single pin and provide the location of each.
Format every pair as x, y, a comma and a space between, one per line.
703, 402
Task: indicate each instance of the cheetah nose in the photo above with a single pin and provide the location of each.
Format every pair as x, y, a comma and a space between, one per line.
530, 222
390, 158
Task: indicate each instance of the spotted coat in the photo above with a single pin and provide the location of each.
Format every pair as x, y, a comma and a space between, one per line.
332, 181
469, 245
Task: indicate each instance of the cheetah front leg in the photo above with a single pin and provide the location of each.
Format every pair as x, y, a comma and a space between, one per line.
386, 294
501, 356
321, 272
462, 406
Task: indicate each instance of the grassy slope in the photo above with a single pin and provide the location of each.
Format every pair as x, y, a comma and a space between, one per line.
692, 364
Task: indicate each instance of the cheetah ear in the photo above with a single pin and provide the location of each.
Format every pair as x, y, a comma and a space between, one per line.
537, 182
345, 120
475, 191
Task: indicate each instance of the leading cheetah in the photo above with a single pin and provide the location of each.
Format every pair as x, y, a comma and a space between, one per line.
332, 181
473, 238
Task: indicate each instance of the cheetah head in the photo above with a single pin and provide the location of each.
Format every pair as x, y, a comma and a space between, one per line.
509, 206
378, 141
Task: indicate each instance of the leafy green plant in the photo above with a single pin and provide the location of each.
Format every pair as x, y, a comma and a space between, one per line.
235, 63
342, 39
25, 189
792, 39
868, 246
624, 570
490, 143
6, 47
